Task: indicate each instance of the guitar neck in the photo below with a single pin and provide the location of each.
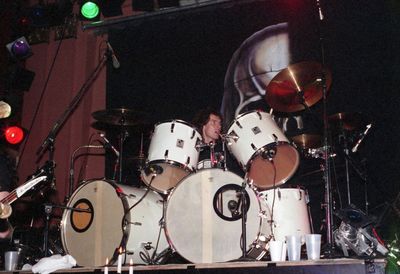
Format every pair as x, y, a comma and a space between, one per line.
21, 190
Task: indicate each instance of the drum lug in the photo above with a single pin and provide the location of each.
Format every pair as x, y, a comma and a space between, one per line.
300, 194
259, 115
172, 127
188, 161
263, 214
279, 194
193, 134
238, 124
166, 154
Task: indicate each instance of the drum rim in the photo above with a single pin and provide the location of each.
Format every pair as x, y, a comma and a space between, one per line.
180, 122
172, 163
125, 205
244, 114
262, 149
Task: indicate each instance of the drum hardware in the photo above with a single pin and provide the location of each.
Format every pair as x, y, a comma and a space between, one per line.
72, 170
123, 118
345, 126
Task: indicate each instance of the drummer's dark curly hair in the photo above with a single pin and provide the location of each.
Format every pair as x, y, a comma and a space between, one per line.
203, 116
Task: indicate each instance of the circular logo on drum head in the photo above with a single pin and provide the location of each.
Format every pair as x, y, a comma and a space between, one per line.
82, 215
227, 202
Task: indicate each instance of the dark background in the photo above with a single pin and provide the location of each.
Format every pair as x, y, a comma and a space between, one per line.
173, 65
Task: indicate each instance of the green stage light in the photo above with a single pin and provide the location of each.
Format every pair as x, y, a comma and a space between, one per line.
90, 10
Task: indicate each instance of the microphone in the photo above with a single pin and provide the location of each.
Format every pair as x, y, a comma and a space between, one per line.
114, 58
270, 153
233, 207
228, 136
201, 145
355, 147
153, 169
108, 145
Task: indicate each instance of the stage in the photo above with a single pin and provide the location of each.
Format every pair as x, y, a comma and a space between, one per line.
329, 266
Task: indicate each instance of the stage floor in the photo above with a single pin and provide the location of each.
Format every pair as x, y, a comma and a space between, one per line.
329, 266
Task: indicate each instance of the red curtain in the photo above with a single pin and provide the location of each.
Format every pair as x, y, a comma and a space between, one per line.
75, 62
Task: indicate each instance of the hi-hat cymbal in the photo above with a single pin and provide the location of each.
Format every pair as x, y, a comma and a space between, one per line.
348, 121
297, 86
120, 117
305, 141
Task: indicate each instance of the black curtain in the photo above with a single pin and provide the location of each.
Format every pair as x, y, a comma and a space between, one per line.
172, 66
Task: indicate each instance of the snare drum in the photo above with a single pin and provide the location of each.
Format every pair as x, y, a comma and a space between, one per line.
257, 141
289, 209
203, 217
172, 155
91, 237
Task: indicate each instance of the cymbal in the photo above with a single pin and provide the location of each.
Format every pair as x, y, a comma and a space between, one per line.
348, 121
305, 141
297, 86
120, 117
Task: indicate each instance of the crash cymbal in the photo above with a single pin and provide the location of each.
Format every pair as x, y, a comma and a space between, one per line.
297, 86
305, 141
120, 117
348, 121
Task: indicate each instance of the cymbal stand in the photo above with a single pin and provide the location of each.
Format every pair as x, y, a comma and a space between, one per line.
122, 137
329, 247
346, 162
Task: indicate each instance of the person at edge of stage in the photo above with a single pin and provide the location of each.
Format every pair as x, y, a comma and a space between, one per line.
7, 182
214, 151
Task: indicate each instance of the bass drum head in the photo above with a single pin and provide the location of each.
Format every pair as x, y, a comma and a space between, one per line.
200, 223
92, 237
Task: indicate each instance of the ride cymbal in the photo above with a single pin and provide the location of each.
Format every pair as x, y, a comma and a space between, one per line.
348, 121
297, 87
120, 117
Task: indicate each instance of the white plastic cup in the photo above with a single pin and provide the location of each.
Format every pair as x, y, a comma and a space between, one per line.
275, 250
293, 247
284, 249
313, 244
11, 260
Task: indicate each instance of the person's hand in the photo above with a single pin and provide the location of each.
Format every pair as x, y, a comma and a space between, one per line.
5, 212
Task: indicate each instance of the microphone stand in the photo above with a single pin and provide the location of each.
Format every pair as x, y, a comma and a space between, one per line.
243, 208
48, 143
48, 209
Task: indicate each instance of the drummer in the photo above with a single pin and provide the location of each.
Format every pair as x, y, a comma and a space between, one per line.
213, 151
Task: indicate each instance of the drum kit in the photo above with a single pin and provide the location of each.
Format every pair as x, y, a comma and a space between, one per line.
196, 212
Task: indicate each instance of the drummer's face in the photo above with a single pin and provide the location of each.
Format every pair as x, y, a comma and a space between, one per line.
212, 129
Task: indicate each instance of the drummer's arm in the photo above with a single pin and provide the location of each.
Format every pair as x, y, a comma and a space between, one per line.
5, 226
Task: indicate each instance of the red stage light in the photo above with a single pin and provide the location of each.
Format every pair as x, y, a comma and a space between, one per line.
14, 135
